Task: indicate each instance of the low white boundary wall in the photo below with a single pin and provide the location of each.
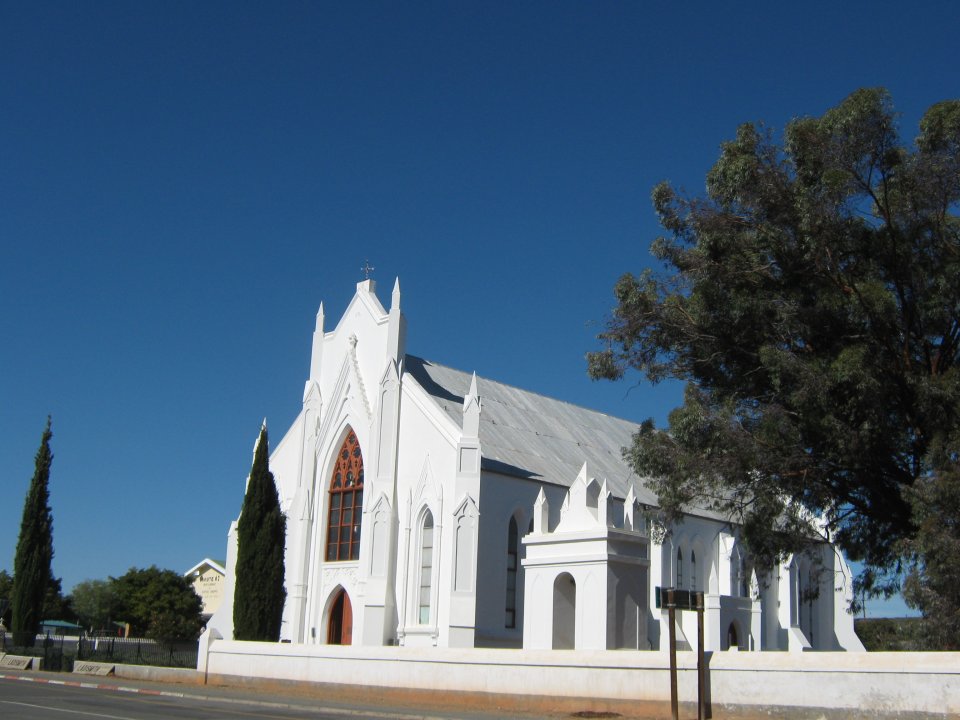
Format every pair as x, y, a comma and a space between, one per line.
872, 682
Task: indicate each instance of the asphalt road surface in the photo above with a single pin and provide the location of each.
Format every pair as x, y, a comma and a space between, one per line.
24, 700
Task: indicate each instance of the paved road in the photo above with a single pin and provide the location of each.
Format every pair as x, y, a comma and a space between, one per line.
34, 701
51, 696
34, 695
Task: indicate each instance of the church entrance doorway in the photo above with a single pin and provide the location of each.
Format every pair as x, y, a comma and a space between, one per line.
340, 628
564, 612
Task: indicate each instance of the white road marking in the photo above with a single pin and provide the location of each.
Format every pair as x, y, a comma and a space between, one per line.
64, 710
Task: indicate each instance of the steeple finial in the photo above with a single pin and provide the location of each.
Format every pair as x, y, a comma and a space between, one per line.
367, 269
471, 410
316, 354
541, 514
395, 298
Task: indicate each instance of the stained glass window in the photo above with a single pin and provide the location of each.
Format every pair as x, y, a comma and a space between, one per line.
346, 502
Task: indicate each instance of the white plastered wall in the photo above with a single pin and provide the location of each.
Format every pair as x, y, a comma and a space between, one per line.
503, 498
586, 579
426, 474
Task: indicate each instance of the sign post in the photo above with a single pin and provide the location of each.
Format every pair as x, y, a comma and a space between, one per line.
672, 616
686, 600
701, 665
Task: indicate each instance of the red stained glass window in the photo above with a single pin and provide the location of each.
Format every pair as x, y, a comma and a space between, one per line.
346, 502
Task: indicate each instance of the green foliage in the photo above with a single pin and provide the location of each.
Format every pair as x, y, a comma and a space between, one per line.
94, 603
812, 304
6, 591
158, 604
261, 533
933, 584
892, 634
56, 606
31, 565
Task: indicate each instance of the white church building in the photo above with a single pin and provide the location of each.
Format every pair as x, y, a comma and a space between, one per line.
427, 506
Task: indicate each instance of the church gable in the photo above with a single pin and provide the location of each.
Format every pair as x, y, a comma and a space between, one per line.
358, 349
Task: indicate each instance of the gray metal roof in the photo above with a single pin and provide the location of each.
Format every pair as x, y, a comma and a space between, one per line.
527, 435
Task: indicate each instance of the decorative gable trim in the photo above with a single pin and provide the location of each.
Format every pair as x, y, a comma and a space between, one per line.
311, 392
355, 364
382, 503
467, 507
427, 486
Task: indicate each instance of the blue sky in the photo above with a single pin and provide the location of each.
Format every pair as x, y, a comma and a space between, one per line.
182, 183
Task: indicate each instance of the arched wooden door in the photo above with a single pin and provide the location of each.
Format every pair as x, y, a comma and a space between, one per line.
340, 628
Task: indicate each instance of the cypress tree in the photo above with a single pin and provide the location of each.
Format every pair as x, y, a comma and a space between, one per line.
31, 565
261, 533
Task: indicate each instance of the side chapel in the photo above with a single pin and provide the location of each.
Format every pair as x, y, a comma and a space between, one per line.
430, 507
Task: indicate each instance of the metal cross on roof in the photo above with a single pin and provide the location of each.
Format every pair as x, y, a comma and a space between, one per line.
367, 269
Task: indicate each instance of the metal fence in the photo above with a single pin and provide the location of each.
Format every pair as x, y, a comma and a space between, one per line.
59, 652
56, 652
138, 651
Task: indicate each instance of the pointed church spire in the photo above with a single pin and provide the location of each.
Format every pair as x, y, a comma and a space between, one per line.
604, 506
397, 332
541, 514
471, 411
316, 354
395, 298
631, 519
582, 475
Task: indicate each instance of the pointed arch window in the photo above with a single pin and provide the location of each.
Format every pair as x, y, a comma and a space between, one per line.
512, 547
693, 570
679, 568
426, 569
736, 573
346, 502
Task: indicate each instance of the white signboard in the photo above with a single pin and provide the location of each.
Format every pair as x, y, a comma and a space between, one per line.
85, 667
15, 662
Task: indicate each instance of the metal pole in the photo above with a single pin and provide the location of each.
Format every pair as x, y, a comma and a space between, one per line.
701, 665
672, 615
